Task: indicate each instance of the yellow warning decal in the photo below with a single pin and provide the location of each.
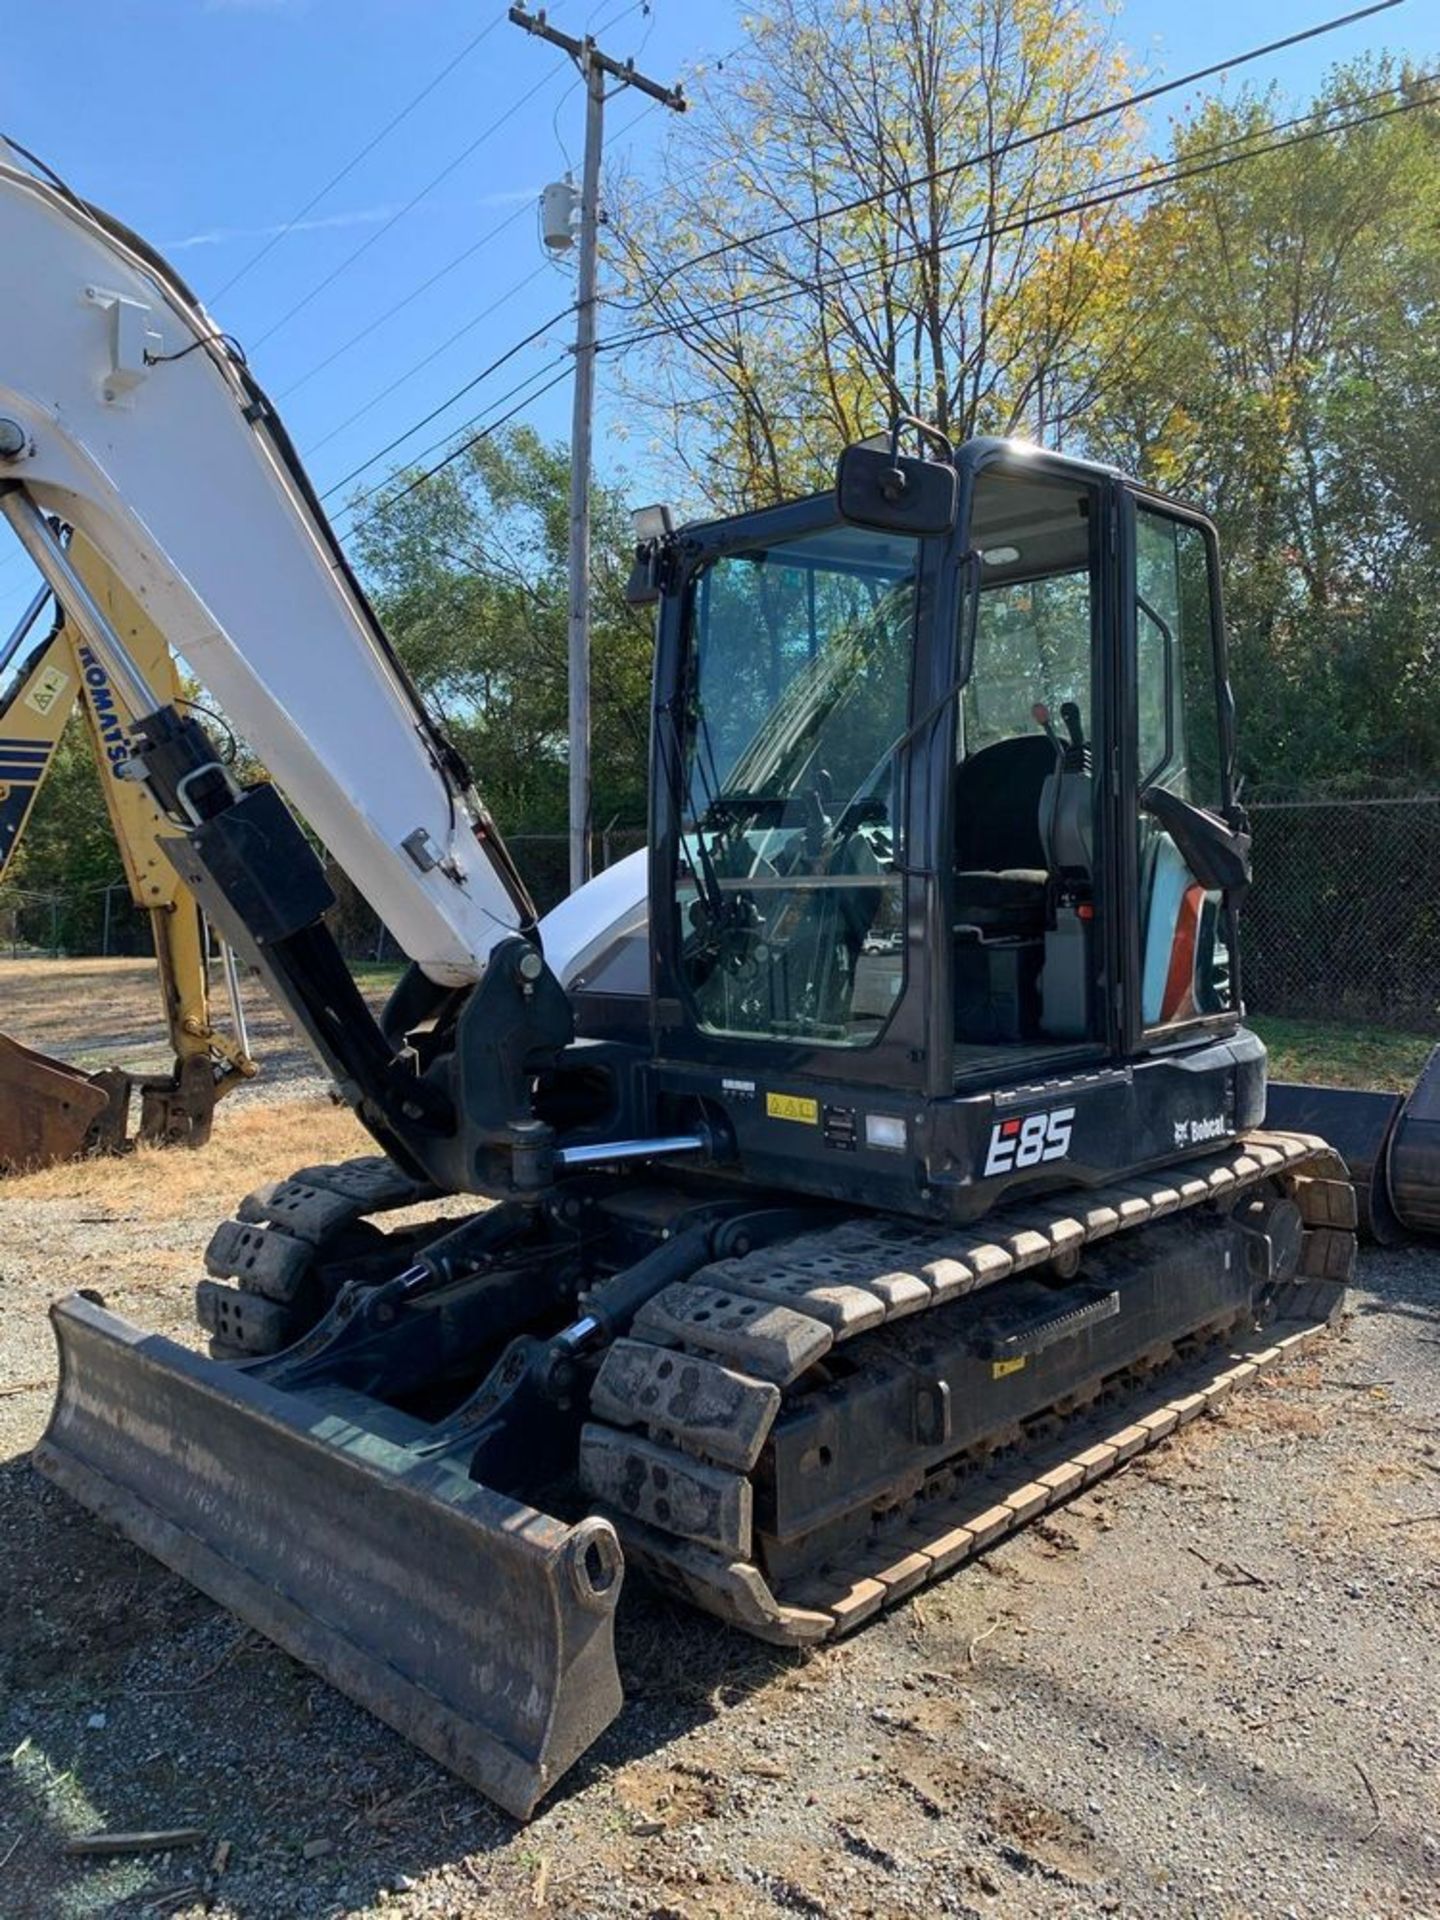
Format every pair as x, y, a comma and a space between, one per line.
47, 690
999, 1368
793, 1106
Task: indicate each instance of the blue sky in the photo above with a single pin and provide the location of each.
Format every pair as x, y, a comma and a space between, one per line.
207, 124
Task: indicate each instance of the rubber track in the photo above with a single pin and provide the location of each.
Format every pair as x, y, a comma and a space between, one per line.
280, 1234
702, 1552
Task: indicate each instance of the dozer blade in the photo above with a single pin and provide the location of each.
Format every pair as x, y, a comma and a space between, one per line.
47, 1109
476, 1626
1415, 1153
1359, 1124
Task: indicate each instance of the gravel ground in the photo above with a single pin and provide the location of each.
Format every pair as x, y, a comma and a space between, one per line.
1210, 1686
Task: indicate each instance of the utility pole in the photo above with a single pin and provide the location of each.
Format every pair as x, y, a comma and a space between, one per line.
595, 68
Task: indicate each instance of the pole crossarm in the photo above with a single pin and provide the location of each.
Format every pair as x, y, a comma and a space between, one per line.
586, 54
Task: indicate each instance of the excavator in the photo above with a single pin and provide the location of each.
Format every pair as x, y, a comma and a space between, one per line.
856, 1174
49, 1110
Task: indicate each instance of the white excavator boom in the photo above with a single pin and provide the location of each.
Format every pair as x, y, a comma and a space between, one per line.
137, 424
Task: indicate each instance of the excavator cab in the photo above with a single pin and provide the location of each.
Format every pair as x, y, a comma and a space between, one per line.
944, 806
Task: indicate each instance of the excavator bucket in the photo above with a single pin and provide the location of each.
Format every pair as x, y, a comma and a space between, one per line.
1415, 1153
476, 1626
49, 1111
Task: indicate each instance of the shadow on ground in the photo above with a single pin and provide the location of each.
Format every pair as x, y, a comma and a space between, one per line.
1401, 1283
128, 1701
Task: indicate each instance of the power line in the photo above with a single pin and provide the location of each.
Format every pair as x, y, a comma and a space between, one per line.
485, 372
492, 233
435, 412
355, 159
604, 26
1004, 148
434, 354
421, 479
1111, 192
429, 187
1116, 192
408, 208
414, 294
447, 438
576, 83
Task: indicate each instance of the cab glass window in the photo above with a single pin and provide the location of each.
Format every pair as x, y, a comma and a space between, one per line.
1185, 926
1176, 687
795, 699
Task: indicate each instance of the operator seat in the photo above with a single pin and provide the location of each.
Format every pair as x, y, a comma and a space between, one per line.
1001, 870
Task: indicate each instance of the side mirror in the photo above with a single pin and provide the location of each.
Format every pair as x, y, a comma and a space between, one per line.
642, 589
895, 492
654, 529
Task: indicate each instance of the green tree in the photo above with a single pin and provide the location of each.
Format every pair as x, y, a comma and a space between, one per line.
1286, 319
949, 297
470, 577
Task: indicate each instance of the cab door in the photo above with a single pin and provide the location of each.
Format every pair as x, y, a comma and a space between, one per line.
1187, 855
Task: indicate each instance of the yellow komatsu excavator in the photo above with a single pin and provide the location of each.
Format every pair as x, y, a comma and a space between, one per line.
49, 1110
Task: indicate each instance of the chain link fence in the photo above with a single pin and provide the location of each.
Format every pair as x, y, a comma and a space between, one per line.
1343, 922
104, 920
87, 920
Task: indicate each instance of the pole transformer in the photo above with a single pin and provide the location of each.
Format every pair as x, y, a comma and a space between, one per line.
595, 69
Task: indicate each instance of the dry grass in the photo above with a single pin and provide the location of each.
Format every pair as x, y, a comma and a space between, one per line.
57, 1005
108, 1013
250, 1144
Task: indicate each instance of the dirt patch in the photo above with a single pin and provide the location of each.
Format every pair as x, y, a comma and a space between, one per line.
108, 1013
944, 1783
